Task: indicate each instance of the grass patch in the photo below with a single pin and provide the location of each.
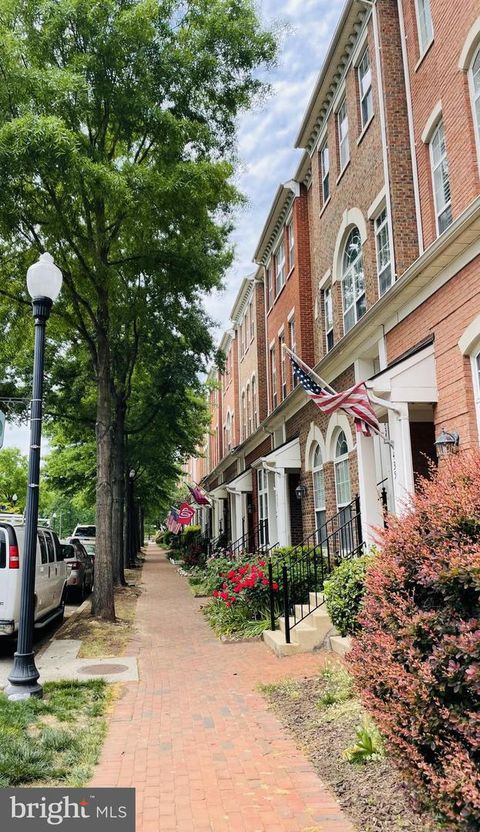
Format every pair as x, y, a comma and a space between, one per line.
105, 638
55, 740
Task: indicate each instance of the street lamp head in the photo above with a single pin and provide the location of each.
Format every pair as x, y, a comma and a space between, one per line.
132, 473
44, 278
14, 498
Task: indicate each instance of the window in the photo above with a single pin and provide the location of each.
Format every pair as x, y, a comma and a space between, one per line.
50, 547
254, 404
319, 494
280, 267
353, 282
228, 431
249, 412
270, 291
244, 416
475, 92
291, 245
325, 172
441, 181
365, 88
343, 148
328, 311
262, 478
293, 345
424, 23
273, 377
283, 365
384, 260
252, 320
43, 548
343, 491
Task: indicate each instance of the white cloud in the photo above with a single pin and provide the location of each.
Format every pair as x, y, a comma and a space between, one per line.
267, 133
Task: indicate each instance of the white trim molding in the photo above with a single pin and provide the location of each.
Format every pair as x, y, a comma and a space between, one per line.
472, 41
470, 339
338, 422
314, 438
432, 123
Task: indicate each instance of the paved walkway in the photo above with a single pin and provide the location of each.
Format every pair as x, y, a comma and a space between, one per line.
196, 738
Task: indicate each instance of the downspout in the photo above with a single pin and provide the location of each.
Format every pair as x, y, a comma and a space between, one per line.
413, 151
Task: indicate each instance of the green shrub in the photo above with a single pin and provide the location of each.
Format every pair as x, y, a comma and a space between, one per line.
189, 534
344, 593
235, 621
368, 745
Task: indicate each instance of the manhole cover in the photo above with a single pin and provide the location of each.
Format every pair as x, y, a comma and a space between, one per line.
103, 669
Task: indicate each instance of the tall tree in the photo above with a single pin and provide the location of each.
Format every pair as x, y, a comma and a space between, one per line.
116, 147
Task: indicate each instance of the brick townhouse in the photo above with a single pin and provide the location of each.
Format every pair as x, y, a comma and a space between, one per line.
368, 269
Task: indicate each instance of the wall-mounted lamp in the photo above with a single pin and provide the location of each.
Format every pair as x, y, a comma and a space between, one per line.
301, 491
447, 443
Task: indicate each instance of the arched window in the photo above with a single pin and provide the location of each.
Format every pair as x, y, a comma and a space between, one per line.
343, 491
353, 281
475, 92
319, 493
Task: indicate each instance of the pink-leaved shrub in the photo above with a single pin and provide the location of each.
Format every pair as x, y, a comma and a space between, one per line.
416, 659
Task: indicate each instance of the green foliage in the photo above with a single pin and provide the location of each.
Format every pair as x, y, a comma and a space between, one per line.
234, 622
344, 592
55, 740
190, 533
368, 746
13, 478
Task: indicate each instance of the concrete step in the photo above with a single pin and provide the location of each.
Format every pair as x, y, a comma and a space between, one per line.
340, 644
275, 640
316, 598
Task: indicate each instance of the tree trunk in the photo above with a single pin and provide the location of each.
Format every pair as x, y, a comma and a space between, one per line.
118, 494
103, 599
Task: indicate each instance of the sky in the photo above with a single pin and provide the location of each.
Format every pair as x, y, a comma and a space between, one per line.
266, 136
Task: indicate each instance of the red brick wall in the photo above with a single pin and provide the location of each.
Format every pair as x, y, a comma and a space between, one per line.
447, 314
438, 77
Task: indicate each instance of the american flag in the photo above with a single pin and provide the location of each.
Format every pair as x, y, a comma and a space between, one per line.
353, 401
198, 495
172, 522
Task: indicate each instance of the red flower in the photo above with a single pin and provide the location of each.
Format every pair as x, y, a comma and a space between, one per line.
265, 582
237, 588
261, 563
216, 593
229, 604
274, 585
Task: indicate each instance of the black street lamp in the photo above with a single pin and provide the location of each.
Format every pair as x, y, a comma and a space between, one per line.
44, 281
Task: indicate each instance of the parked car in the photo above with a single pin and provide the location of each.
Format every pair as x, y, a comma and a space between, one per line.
85, 532
50, 575
90, 549
79, 568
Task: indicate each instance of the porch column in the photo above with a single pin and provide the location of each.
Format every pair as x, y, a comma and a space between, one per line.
370, 505
402, 463
238, 516
282, 508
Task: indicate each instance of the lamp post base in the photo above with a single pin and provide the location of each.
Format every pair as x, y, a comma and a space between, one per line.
23, 679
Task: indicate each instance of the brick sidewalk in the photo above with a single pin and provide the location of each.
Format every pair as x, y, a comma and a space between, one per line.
196, 738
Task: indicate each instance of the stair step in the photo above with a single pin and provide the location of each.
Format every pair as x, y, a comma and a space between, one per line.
276, 641
340, 644
316, 598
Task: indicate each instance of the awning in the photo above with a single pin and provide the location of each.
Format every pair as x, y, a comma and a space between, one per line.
286, 456
241, 484
219, 493
412, 380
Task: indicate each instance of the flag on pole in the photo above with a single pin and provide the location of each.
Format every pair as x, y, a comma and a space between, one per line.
185, 514
172, 522
353, 401
198, 495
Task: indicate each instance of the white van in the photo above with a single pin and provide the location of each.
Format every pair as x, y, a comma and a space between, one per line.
50, 576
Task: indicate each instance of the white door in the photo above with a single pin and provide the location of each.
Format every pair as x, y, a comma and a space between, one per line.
42, 577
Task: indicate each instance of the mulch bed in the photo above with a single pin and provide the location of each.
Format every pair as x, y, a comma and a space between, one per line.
373, 795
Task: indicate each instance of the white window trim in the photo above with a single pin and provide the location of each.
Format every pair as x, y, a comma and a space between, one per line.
471, 89
324, 289
322, 176
347, 139
355, 298
281, 243
383, 207
423, 48
432, 171
476, 384
338, 460
365, 124
432, 123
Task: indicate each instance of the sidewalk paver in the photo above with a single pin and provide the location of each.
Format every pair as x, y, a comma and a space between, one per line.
194, 736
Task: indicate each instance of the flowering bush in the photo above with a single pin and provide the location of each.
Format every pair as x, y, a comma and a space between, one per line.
416, 659
248, 585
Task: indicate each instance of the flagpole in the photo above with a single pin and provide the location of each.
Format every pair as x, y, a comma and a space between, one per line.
334, 392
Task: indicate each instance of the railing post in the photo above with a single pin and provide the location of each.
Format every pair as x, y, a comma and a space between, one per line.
359, 521
286, 605
272, 597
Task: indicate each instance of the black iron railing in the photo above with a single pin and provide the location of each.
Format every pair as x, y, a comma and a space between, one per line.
296, 580
252, 542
